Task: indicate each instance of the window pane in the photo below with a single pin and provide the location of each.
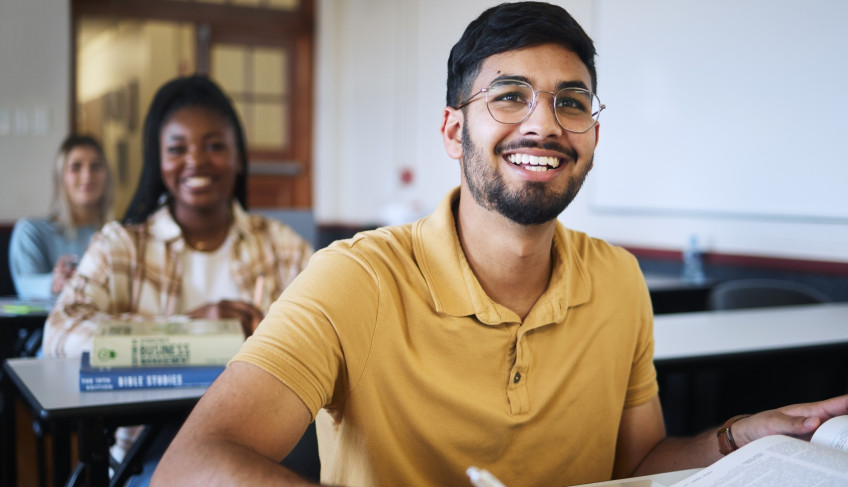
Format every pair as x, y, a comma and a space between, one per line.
247, 123
228, 67
269, 71
269, 4
270, 131
284, 4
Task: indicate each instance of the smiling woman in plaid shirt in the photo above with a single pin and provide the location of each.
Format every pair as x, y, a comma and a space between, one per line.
186, 245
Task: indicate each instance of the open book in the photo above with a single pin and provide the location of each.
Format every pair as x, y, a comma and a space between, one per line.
769, 461
782, 460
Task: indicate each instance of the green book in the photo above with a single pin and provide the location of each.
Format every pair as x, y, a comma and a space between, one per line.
166, 343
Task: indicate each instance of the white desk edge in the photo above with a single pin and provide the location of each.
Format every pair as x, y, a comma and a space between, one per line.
54, 382
710, 333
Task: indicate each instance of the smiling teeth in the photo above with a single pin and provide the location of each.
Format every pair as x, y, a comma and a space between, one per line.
197, 181
534, 163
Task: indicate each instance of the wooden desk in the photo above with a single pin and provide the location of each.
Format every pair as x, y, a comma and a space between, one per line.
712, 365
21, 325
50, 388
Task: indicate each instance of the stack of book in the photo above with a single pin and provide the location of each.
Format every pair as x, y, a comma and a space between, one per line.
156, 354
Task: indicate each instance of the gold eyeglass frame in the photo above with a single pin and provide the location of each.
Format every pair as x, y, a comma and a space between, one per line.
595, 116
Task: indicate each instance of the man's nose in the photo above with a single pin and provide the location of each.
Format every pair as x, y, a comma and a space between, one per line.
542, 119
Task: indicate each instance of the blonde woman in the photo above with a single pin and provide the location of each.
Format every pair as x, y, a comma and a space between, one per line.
43, 251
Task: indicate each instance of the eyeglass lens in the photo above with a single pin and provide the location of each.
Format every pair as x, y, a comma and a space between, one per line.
510, 101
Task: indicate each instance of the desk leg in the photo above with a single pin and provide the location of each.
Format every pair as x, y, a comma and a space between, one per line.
8, 457
94, 452
61, 452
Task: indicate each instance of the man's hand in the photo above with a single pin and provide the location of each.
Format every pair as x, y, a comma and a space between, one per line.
798, 420
248, 314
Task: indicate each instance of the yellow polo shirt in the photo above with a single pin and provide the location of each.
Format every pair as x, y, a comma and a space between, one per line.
420, 374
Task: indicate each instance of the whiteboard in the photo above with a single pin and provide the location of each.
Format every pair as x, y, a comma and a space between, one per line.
723, 107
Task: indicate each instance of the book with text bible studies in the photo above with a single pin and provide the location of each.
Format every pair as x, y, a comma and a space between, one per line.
783, 460
122, 378
166, 343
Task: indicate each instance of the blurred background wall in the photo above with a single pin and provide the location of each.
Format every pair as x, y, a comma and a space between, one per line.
379, 73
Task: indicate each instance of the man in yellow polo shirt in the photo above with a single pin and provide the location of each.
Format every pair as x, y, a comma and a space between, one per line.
485, 334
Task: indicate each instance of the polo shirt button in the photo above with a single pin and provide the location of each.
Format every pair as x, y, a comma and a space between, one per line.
517, 377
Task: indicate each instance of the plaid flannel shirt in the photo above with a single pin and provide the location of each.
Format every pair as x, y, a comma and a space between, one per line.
134, 272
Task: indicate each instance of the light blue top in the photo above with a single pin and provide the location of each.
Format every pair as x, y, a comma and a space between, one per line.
35, 246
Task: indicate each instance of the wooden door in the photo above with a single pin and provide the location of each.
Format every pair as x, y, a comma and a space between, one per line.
259, 51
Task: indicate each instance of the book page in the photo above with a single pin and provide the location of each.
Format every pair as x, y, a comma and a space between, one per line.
654, 480
833, 433
774, 460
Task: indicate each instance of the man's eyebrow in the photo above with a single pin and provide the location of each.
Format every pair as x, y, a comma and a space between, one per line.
562, 84
572, 84
512, 77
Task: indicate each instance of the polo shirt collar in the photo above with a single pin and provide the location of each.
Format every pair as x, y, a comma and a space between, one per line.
439, 252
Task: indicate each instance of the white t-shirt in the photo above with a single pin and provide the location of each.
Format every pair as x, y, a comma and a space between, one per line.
207, 277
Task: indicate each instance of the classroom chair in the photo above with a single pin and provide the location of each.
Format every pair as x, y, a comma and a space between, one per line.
760, 293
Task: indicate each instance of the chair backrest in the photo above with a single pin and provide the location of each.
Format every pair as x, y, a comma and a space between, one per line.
760, 293
301, 221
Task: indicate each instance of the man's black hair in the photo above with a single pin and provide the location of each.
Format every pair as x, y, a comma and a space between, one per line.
190, 91
511, 26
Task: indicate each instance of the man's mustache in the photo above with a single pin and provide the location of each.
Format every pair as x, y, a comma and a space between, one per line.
568, 152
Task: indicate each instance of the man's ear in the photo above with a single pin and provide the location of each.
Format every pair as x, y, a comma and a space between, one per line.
452, 120
597, 129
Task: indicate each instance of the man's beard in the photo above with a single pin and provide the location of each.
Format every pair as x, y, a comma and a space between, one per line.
532, 204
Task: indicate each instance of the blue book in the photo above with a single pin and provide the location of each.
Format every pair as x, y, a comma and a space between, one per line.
122, 378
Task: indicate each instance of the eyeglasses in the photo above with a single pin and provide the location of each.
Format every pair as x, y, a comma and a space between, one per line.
512, 101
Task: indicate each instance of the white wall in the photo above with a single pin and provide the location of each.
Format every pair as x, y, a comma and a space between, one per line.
373, 53
381, 82
34, 101
726, 120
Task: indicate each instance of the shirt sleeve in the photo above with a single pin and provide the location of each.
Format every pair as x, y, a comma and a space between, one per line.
29, 265
316, 335
643, 377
